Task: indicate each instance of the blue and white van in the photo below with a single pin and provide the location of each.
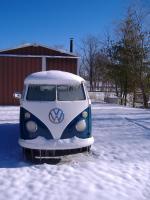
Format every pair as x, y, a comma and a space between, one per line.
55, 115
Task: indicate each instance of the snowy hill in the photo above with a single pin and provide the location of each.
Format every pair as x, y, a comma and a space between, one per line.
118, 166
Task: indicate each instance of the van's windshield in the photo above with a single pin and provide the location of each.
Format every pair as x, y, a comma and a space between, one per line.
49, 92
70, 92
41, 93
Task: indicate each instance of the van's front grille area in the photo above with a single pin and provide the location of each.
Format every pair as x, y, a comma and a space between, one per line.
36, 154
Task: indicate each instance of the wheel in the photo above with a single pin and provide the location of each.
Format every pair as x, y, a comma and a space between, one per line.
89, 148
28, 154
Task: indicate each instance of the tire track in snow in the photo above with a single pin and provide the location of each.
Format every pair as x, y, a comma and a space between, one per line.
136, 123
146, 192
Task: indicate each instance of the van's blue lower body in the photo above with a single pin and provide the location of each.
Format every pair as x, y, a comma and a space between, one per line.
69, 132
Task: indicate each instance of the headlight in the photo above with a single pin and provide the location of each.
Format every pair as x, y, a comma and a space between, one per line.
84, 114
81, 125
31, 126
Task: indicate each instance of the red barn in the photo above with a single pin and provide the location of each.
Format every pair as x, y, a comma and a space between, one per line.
17, 63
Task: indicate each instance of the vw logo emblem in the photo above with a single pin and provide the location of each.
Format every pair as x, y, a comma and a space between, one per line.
56, 115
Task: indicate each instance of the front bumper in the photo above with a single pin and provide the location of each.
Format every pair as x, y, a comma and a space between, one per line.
53, 144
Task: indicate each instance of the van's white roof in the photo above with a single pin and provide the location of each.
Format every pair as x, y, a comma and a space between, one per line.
53, 77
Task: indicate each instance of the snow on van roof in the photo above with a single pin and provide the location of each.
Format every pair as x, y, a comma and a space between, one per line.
53, 77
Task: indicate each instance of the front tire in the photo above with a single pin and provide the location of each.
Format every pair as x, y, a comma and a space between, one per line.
28, 154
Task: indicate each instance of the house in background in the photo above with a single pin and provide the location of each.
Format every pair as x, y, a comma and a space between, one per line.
17, 63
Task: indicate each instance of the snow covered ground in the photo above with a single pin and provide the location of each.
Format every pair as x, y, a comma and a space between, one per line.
118, 167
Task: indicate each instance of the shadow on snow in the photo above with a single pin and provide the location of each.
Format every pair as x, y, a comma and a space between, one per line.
10, 152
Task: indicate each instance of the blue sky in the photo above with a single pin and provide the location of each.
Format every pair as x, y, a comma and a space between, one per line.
53, 22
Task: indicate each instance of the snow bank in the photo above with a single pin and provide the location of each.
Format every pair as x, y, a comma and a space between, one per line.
118, 166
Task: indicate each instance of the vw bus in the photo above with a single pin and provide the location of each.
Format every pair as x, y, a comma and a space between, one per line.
55, 115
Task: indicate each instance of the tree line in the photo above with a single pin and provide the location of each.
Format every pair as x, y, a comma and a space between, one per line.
121, 65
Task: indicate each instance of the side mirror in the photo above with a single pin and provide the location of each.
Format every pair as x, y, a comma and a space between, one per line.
17, 95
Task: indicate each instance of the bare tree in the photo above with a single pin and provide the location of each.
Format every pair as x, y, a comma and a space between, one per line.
89, 50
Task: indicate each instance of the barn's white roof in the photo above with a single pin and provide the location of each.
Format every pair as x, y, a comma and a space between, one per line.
53, 77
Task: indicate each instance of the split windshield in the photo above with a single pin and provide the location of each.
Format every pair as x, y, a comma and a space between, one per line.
49, 93
41, 93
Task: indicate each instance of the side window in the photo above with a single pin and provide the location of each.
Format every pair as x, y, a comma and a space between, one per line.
86, 90
23, 92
